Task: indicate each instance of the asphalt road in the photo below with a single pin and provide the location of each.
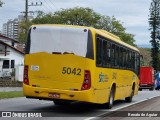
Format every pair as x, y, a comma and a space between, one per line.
78, 111
146, 110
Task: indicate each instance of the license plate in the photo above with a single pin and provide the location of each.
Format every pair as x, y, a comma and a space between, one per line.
54, 95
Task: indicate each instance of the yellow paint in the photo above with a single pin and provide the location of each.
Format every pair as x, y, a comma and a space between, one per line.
50, 79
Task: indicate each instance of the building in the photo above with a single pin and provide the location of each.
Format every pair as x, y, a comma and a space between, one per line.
11, 28
11, 58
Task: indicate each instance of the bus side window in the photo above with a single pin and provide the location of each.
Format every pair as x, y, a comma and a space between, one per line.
130, 60
104, 53
117, 56
127, 59
99, 52
137, 63
124, 58
113, 55
108, 54
133, 60
121, 57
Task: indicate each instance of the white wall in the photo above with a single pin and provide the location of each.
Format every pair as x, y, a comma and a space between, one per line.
14, 55
1, 63
19, 73
19, 62
18, 57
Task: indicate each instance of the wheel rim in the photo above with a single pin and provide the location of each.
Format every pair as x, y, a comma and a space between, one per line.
111, 98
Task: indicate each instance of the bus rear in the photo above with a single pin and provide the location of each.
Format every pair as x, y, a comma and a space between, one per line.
146, 78
58, 64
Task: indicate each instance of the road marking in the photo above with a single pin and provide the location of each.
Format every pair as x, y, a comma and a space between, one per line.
47, 102
90, 118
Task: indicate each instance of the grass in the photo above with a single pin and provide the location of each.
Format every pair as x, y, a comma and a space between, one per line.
11, 94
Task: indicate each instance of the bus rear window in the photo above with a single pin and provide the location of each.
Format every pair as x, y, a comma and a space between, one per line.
52, 39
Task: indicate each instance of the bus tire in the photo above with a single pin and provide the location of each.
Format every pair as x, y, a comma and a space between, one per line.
61, 102
129, 99
140, 89
111, 99
151, 89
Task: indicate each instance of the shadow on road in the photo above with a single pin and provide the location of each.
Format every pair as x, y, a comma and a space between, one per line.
76, 109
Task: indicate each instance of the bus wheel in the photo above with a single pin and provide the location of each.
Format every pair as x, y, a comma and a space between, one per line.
151, 89
111, 99
62, 102
129, 99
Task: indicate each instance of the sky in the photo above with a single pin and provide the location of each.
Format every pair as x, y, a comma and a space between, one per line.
133, 14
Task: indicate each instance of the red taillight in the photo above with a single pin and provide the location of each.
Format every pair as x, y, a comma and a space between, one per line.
25, 77
87, 80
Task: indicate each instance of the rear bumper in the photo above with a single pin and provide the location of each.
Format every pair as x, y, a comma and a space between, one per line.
43, 93
146, 86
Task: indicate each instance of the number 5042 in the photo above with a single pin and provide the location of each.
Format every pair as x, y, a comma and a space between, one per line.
74, 71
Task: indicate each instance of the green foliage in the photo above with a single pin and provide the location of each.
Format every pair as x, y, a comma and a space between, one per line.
84, 17
146, 53
24, 27
1, 3
154, 22
11, 94
77, 16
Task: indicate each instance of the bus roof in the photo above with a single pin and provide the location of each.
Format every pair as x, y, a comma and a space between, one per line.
101, 32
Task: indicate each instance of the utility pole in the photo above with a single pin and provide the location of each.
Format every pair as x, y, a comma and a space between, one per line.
26, 11
26, 8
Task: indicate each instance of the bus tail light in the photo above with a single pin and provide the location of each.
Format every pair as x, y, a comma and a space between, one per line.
25, 77
87, 80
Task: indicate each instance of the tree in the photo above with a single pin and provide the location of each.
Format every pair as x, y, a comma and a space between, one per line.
23, 31
74, 16
85, 17
154, 22
1, 3
77, 16
114, 26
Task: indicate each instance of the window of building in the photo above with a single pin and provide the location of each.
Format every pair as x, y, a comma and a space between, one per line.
12, 63
5, 64
12, 43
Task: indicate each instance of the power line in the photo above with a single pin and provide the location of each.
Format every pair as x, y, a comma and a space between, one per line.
42, 7
53, 4
26, 8
48, 5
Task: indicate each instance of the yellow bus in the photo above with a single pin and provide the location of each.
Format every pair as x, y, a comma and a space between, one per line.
66, 63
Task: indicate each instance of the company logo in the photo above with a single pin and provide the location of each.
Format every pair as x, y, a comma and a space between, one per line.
103, 77
20, 114
6, 114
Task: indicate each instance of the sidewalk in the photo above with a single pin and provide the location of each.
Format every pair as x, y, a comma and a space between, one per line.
3, 89
140, 111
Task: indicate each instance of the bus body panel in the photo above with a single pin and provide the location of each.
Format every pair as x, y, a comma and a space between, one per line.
123, 79
146, 77
61, 71
50, 78
55, 73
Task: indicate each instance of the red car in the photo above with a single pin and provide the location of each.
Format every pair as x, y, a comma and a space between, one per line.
147, 80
